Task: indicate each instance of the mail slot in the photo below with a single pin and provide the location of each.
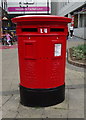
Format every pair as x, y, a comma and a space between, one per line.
42, 54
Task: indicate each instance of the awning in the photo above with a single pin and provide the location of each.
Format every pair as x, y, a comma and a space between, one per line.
4, 18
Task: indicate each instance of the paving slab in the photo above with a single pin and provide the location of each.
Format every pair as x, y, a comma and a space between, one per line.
74, 77
75, 41
29, 112
55, 113
5, 99
76, 114
0, 114
9, 109
10, 114
76, 99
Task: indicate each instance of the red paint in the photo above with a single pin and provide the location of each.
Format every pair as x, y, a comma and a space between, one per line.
72, 22
39, 68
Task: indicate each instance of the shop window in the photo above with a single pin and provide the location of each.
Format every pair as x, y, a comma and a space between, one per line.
82, 20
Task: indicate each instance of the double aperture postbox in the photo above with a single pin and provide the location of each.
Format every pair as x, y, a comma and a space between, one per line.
42, 52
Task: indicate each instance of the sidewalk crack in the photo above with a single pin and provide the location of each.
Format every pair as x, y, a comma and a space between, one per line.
7, 100
17, 112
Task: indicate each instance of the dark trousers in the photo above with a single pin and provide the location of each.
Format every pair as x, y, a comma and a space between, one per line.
71, 33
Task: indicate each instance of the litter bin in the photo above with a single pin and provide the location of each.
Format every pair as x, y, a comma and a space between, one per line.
42, 53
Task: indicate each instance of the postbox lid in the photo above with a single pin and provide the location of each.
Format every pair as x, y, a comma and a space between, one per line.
40, 18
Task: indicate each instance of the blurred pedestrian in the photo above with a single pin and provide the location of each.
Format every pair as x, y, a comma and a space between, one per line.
67, 35
3, 39
8, 37
13, 37
71, 31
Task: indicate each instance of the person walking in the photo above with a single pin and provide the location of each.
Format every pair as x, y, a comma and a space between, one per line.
71, 31
13, 37
8, 37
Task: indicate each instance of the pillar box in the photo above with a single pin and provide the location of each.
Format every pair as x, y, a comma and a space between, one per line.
42, 54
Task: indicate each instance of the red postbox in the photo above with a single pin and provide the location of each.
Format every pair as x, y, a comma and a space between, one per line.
42, 51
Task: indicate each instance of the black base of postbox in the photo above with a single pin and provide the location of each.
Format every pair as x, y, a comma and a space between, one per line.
42, 97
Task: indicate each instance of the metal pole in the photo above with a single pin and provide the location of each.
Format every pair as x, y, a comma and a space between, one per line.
47, 6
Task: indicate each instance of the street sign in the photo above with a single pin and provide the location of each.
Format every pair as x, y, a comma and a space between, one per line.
29, 7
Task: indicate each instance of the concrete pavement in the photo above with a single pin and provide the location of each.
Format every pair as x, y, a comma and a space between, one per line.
73, 42
72, 107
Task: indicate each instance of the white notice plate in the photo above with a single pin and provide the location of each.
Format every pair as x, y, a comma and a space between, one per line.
57, 51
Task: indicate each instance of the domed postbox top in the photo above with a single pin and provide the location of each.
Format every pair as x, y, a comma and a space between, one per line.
40, 18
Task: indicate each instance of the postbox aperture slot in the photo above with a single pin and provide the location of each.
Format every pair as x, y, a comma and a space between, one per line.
56, 29
28, 44
29, 30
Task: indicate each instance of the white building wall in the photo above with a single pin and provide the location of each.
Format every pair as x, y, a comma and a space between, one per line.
80, 32
66, 9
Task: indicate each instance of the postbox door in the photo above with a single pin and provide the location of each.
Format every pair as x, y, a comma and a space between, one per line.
55, 62
30, 49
